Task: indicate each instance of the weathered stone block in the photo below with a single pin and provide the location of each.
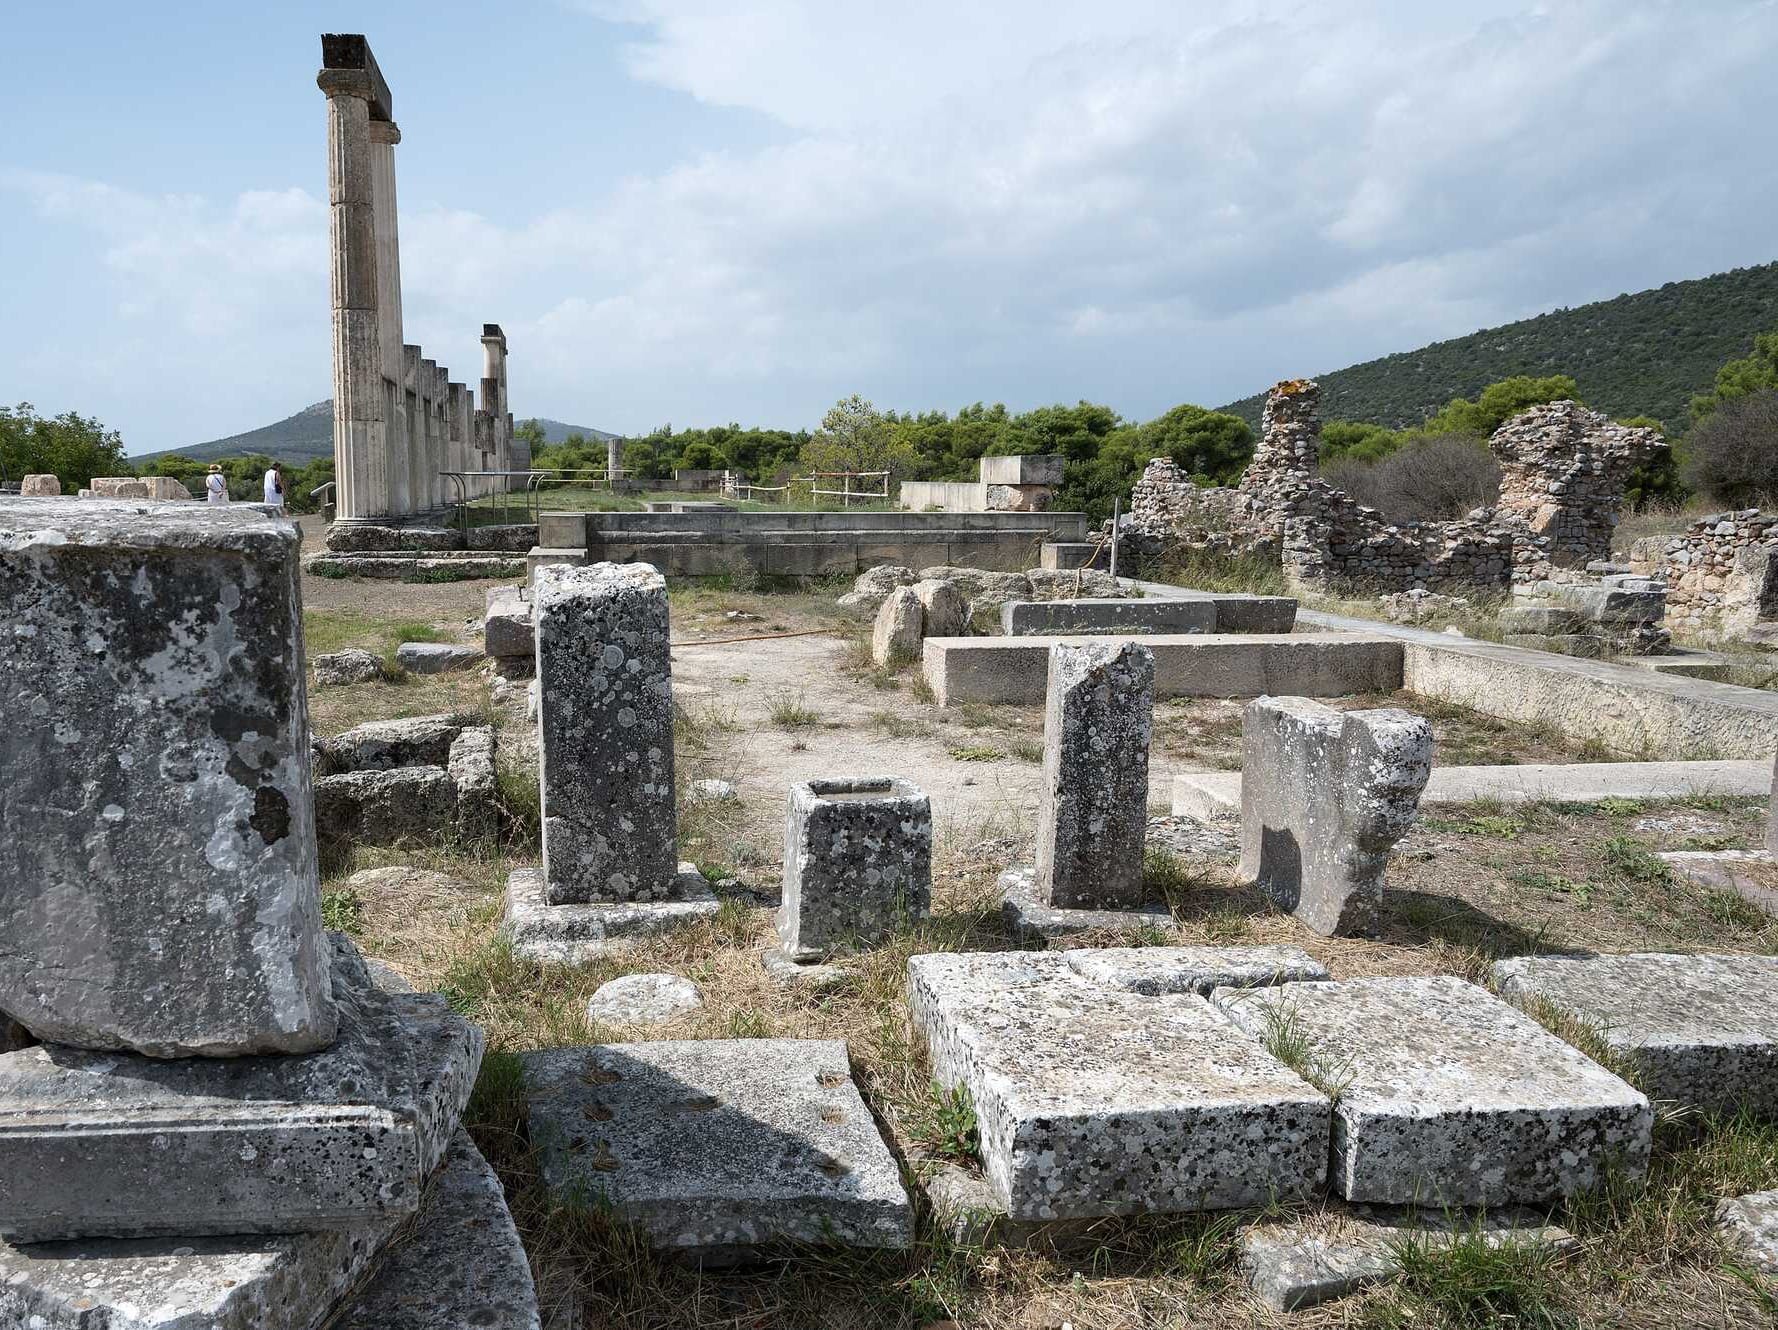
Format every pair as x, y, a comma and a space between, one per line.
717, 1148
1023, 469
292, 1281
436, 657
339, 668
119, 487
1749, 1225
1028, 918
1701, 1030
1093, 813
42, 486
382, 745
165, 489
1153, 971
1448, 1096
401, 805
157, 841
506, 627
605, 733
1540, 620
1325, 795
899, 629
857, 864
570, 934
1020, 618
643, 999
1092, 1100
944, 610
114, 1145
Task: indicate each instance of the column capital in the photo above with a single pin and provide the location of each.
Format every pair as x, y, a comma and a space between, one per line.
348, 69
384, 131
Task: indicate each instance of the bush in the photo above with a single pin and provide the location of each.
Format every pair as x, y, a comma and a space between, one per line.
1732, 454
1431, 479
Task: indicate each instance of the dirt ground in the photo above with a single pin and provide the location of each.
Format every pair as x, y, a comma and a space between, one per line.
1468, 886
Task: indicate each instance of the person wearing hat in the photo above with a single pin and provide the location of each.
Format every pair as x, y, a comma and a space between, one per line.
215, 485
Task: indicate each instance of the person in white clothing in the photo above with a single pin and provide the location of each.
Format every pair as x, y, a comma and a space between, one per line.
274, 488
216, 488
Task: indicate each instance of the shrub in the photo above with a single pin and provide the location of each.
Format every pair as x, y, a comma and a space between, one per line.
1430, 479
1732, 454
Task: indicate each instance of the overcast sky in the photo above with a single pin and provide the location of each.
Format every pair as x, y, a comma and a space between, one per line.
698, 211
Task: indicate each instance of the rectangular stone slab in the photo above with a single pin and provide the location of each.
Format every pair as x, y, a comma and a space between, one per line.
116, 1145
1022, 618
717, 1148
1015, 670
571, 934
1092, 1100
1702, 1030
857, 864
292, 1281
1448, 1096
157, 839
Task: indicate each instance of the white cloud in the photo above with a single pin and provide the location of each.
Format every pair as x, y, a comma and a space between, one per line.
1138, 202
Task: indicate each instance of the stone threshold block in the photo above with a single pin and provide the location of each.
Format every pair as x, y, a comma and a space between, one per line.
1015, 670
1023, 618
158, 882
571, 934
718, 1149
1749, 1225
1093, 1100
121, 1146
474, 1272
1702, 1031
1449, 1096
1343, 1249
1028, 917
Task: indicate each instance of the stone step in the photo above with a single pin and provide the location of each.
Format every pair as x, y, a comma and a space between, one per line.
395, 566
1207, 794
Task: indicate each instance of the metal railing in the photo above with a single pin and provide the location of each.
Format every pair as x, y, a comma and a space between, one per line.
505, 493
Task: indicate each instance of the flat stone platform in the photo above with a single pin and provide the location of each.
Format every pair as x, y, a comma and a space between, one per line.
571, 934
1701, 1030
803, 544
1093, 1100
1016, 669
1207, 794
1449, 1096
718, 1148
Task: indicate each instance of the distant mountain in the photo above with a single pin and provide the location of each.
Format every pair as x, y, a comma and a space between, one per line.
1634, 355
309, 434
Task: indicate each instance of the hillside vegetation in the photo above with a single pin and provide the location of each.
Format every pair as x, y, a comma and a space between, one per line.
1636, 355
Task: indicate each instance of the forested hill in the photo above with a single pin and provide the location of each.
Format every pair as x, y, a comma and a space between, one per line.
308, 435
1636, 355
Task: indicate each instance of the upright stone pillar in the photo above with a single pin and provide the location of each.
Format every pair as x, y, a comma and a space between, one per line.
356, 95
605, 733
1094, 811
384, 135
613, 457
494, 399
158, 884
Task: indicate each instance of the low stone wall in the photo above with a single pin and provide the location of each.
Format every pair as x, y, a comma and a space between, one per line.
1721, 579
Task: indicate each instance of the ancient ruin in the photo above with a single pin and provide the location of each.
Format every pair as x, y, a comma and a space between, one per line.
857, 864
399, 420
1720, 576
1563, 470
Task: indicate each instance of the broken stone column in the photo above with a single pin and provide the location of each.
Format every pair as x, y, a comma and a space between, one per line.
1325, 795
857, 864
1093, 814
605, 733
157, 843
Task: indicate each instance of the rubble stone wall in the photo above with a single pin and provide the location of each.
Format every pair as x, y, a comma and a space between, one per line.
1563, 473
1721, 578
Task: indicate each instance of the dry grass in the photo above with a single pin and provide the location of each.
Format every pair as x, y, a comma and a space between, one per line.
1472, 885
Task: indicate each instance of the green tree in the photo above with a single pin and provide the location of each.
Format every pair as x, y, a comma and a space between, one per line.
73, 447
1739, 378
1497, 403
642, 460
855, 436
1357, 441
1210, 446
701, 456
529, 431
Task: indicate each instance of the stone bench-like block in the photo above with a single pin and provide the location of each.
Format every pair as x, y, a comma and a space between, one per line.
157, 841
1092, 1100
605, 733
718, 1148
1023, 618
1014, 670
1449, 1096
114, 1145
506, 627
1325, 795
1701, 1030
857, 864
1092, 814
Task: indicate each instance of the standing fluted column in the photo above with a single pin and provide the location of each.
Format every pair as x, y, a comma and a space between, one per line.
353, 87
384, 135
